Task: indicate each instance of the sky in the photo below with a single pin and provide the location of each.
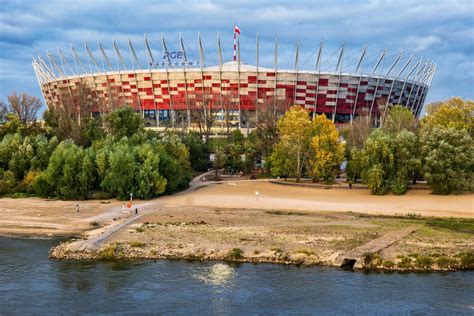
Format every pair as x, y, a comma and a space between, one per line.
440, 31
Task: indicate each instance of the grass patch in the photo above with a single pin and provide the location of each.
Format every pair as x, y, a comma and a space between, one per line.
462, 225
94, 224
466, 259
283, 213
140, 229
306, 252
235, 253
445, 262
137, 244
277, 251
111, 252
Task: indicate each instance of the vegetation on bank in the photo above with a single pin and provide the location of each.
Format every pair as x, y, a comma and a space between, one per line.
45, 162
79, 156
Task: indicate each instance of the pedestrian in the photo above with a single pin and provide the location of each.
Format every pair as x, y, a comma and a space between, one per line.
136, 210
77, 208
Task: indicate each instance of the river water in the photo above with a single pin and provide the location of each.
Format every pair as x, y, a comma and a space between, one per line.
30, 283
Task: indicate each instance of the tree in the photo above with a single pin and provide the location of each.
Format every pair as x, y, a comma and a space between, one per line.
327, 150
294, 144
449, 159
379, 160
356, 134
219, 161
397, 119
389, 161
24, 106
61, 178
198, 151
124, 121
453, 113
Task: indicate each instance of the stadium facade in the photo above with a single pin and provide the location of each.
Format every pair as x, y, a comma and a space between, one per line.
169, 88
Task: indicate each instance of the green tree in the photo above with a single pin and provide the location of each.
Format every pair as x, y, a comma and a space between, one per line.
120, 176
327, 150
399, 118
449, 159
389, 161
124, 121
379, 159
293, 147
198, 151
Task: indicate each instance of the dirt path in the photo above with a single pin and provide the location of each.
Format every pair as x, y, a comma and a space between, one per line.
375, 245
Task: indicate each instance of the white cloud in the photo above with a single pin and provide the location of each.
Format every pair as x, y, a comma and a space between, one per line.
421, 43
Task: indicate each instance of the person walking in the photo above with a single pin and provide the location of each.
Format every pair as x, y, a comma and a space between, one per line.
77, 208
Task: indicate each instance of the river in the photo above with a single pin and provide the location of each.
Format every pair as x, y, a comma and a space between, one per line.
30, 283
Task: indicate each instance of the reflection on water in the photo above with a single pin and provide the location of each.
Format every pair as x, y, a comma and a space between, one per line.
30, 283
217, 274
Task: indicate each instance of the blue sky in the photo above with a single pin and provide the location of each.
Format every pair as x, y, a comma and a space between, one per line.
442, 31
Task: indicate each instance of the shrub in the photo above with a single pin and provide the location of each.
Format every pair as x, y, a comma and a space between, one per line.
111, 252
235, 254
405, 263
388, 264
467, 259
445, 262
423, 262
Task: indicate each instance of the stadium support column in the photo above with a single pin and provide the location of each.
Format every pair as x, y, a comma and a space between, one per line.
151, 62
133, 56
202, 63
424, 92
188, 113
393, 83
397, 59
117, 54
406, 80
419, 75
168, 63
276, 76
419, 84
339, 70
38, 74
256, 93
381, 58
63, 76
219, 56
359, 66
318, 74
296, 70
104, 57
238, 82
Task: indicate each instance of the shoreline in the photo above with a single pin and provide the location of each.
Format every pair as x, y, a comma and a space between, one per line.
59, 253
282, 224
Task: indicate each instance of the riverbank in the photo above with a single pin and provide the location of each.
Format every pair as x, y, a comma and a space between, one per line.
280, 224
405, 243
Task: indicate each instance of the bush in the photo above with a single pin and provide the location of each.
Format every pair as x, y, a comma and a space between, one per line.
467, 259
405, 263
235, 254
423, 262
388, 264
445, 262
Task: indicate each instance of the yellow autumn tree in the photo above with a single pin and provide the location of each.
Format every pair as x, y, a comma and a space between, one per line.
327, 152
455, 113
292, 151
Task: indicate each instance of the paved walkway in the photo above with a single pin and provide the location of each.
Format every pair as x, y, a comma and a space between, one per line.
96, 242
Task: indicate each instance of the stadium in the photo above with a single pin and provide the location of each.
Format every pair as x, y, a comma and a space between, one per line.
171, 89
